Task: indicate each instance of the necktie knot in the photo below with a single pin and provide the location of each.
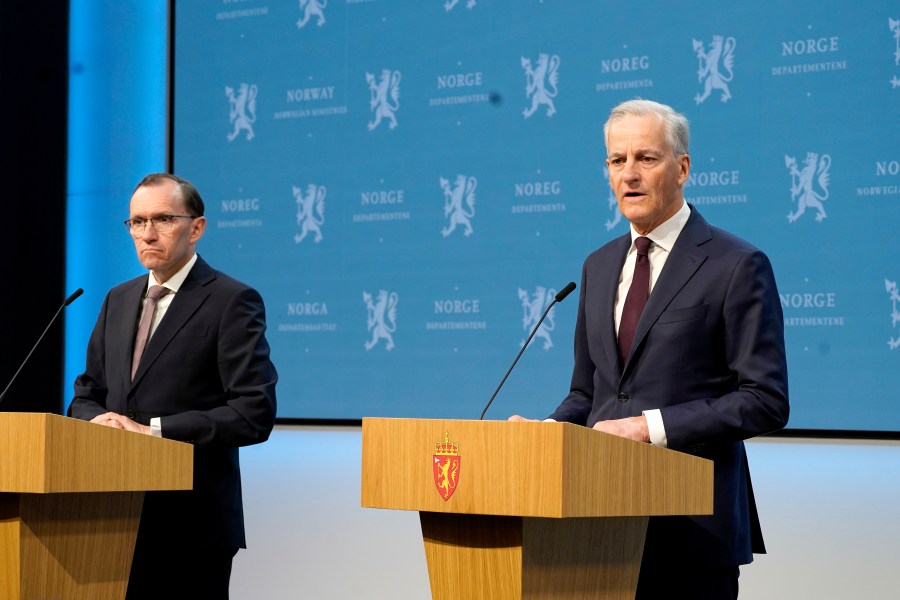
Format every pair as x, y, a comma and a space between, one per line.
643, 245
156, 292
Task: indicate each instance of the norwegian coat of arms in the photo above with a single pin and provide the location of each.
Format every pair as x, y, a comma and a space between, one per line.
445, 465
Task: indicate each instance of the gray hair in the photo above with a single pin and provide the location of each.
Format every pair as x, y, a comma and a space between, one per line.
678, 134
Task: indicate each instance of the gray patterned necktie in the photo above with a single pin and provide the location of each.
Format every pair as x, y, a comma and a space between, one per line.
143, 333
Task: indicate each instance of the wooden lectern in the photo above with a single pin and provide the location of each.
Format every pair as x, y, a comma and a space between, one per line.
528, 510
70, 503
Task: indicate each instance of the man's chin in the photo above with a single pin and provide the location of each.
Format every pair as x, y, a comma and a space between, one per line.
150, 262
635, 212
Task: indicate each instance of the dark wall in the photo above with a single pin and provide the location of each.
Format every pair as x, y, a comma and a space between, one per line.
34, 38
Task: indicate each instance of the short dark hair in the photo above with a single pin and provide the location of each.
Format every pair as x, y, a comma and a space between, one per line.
189, 194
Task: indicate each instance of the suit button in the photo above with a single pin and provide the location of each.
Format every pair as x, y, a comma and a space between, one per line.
623, 397
130, 414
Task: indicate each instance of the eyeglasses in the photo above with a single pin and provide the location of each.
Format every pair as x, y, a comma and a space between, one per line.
162, 223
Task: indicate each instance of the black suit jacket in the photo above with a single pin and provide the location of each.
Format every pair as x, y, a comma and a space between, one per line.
709, 353
206, 372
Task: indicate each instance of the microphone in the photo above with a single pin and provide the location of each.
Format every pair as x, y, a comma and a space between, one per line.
560, 296
65, 303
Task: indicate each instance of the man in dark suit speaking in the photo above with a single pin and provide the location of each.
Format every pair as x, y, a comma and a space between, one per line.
679, 342
181, 353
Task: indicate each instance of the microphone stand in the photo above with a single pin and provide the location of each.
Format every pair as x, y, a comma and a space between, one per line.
558, 298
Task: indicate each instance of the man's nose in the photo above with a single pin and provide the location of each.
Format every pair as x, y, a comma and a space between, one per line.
630, 171
150, 232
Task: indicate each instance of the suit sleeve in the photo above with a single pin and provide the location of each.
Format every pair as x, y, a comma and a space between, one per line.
248, 377
756, 360
90, 387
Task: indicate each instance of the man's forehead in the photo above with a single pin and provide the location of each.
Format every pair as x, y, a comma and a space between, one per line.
637, 132
162, 195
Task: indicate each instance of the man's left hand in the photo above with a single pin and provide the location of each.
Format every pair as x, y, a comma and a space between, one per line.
633, 428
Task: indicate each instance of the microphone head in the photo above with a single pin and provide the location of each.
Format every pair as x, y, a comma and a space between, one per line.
565, 291
72, 298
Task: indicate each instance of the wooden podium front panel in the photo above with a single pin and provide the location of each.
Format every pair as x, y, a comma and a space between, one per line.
68, 546
540, 511
479, 557
473, 557
594, 558
47, 453
10, 547
534, 469
70, 503
606, 475
499, 467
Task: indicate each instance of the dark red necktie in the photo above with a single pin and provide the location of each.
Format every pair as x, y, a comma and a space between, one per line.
636, 298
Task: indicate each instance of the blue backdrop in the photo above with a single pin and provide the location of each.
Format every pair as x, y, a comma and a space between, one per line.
408, 183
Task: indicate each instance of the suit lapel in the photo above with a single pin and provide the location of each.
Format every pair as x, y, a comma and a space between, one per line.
122, 348
127, 328
190, 296
607, 302
683, 262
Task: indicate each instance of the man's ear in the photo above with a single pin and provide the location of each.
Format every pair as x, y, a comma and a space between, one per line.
198, 226
684, 164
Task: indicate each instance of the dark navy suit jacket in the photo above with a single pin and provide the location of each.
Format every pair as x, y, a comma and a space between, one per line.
709, 353
206, 372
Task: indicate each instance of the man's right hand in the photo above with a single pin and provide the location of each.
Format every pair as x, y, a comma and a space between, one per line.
521, 419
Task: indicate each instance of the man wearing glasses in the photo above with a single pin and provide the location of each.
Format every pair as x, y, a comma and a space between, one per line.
181, 353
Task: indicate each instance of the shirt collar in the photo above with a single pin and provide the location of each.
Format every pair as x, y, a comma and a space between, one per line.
667, 232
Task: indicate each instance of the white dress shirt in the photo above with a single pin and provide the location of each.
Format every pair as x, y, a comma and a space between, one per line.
162, 305
663, 238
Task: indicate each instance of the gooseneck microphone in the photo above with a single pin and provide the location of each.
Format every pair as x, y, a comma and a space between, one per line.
558, 298
65, 303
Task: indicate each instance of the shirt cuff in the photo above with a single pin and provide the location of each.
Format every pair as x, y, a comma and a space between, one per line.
156, 427
656, 428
